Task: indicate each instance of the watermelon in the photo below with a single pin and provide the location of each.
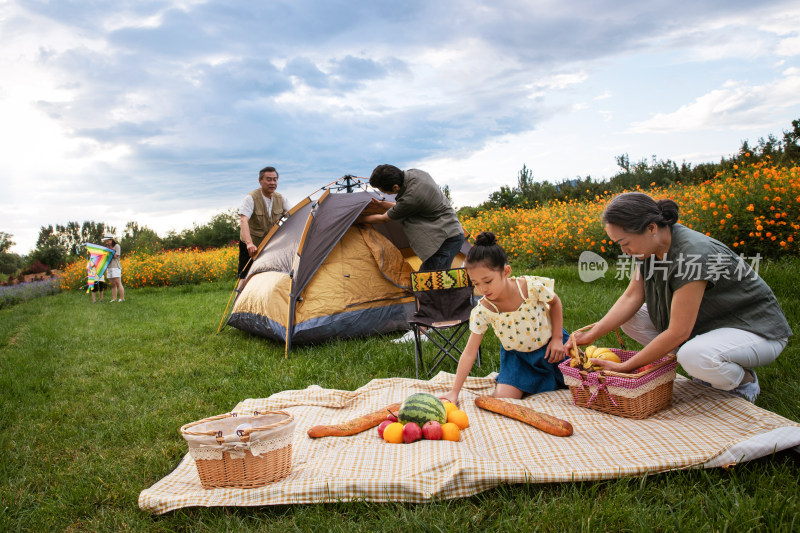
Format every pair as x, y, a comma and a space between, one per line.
420, 408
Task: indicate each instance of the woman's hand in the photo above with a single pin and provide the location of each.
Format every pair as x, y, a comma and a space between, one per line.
555, 352
451, 397
580, 338
610, 365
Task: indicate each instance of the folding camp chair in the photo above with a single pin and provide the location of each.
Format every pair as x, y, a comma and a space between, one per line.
444, 300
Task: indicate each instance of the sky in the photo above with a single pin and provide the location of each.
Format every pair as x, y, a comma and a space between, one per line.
162, 112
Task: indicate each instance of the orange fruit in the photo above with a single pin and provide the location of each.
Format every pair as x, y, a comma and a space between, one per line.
450, 431
393, 433
459, 418
449, 406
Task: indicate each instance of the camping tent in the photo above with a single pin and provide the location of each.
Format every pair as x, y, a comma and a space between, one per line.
319, 275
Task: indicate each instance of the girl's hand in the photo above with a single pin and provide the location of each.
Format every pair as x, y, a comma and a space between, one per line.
555, 352
451, 397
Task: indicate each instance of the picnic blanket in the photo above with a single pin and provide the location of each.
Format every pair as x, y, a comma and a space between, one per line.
702, 428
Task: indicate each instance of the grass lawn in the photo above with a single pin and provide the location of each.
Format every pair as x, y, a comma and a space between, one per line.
93, 396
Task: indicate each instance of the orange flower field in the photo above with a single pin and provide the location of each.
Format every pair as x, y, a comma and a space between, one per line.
170, 267
754, 210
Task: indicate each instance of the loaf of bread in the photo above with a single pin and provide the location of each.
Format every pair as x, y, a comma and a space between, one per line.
351, 427
548, 424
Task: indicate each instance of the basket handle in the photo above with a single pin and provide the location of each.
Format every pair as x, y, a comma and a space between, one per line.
245, 432
616, 332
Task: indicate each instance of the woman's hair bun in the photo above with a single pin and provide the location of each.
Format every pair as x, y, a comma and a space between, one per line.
669, 211
485, 238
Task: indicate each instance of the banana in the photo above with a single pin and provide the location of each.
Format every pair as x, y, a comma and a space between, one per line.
596, 353
609, 356
590, 351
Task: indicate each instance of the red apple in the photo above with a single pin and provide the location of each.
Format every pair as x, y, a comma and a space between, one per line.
432, 430
392, 417
411, 432
382, 427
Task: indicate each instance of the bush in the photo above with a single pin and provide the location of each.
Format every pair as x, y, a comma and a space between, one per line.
754, 209
37, 267
171, 267
10, 263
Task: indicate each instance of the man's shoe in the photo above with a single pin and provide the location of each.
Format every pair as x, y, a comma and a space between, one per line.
408, 337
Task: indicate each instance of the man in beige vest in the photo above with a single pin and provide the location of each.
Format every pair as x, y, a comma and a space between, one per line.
261, 209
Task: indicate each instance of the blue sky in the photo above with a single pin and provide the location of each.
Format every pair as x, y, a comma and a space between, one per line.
163, 112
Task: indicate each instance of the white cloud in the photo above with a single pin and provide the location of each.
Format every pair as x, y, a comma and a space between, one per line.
789, 46
735, 105
555, 82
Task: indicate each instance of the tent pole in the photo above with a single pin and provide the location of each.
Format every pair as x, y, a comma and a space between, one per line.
348, 182
295, 266
289, 328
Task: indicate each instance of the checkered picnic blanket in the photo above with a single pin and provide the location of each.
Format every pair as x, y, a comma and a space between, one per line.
702, 428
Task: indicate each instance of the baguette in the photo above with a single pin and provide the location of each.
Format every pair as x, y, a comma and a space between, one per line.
548, 424
351, 427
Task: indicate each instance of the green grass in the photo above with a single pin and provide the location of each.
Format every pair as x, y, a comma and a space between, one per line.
93, 396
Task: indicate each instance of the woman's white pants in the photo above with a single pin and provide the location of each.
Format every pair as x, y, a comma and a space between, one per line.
718, 357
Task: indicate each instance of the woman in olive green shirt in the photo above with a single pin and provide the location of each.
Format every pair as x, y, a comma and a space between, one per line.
692, 294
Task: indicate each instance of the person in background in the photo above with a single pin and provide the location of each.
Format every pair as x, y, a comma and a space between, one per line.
261, 209
526, 315
99, 286
429, 221
114, 270
692, 294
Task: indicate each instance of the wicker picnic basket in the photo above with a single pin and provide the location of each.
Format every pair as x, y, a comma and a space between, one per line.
628, 395
241, 451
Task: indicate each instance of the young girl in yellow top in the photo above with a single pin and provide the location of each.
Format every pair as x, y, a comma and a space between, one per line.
523, 312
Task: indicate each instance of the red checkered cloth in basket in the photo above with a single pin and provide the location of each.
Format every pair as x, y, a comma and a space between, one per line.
599, 382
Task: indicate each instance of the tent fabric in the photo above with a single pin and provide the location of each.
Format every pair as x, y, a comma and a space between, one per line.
319, 276
279, 252
703, 428
332, 217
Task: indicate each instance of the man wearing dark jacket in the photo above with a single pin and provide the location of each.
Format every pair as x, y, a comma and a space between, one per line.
428, 219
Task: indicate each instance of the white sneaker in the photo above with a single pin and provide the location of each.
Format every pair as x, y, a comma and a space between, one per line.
407, 337
111, 301
748, 391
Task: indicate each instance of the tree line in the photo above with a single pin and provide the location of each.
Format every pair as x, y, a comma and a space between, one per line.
58, 245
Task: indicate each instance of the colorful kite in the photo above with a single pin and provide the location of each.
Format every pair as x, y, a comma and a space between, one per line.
99, 258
